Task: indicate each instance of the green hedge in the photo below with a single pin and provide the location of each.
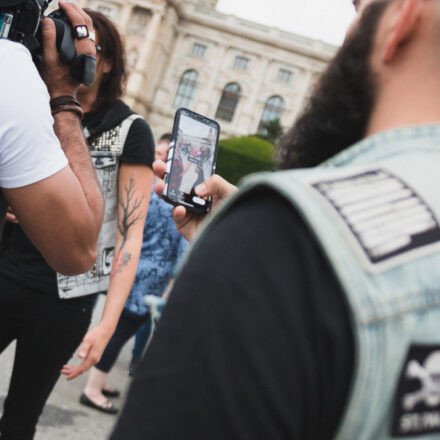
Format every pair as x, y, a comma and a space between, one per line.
238, 157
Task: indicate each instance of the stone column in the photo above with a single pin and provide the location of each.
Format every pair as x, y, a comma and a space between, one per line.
125, 17
141, 73
252, 112
208, 101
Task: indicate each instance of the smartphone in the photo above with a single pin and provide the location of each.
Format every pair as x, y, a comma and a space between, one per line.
191, 159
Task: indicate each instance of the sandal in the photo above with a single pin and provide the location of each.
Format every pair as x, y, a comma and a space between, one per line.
84, 400
111, 392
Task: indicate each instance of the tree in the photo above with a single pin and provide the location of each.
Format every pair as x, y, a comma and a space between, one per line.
272, 131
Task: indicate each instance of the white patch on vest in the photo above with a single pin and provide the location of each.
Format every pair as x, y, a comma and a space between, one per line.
417, 401
385, 215
429, 377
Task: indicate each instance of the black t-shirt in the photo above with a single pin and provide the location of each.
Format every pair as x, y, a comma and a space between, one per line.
255, 341
19, 259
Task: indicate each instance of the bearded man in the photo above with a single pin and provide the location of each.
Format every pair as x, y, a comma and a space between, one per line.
309, 308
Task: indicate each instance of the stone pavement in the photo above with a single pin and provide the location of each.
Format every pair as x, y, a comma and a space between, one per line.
64, 418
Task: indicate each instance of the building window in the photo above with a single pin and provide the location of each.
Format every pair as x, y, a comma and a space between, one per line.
139, 21
228, 102
187, 89
241, 63
199, 50
273, 109
285, 76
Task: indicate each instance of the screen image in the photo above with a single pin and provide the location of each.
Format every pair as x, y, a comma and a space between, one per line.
194, 154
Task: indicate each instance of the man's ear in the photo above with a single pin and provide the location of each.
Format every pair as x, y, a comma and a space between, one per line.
406, 20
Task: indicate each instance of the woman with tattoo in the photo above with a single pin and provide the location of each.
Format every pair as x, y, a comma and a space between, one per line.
161, 249
122, 148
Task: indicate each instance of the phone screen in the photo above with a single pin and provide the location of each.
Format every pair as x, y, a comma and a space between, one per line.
191, 159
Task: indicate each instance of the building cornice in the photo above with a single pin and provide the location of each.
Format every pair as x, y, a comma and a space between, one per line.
254, 31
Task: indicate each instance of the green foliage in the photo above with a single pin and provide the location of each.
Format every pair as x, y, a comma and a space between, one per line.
272, 131
238, 157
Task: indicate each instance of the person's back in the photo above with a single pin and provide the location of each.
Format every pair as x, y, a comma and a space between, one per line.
374, 211
310, 303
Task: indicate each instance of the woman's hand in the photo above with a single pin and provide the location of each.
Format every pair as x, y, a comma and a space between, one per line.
215, 187
92, 347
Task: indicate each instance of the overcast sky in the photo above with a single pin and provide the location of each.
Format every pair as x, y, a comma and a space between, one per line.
325, 20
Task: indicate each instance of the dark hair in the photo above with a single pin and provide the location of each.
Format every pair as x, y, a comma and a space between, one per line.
339, 110
112, 49
165, 138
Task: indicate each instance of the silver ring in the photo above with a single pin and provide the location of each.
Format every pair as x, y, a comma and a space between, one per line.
92, 36
81, 32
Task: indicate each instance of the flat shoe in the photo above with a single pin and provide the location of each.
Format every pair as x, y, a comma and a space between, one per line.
111, 393
84, 400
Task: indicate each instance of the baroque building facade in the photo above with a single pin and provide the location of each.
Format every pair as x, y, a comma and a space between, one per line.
185, 53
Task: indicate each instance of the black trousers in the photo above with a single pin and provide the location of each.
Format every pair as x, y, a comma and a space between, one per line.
47, 330
128, 325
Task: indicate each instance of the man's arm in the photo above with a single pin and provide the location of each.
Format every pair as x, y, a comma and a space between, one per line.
62, 214
69, 131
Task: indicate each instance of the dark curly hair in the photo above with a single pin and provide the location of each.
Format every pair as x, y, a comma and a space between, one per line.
339, 110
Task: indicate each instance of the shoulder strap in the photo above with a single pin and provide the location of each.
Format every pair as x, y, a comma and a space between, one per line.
125, 128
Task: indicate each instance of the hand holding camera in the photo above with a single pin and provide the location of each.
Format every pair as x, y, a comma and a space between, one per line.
56, 74
60, 45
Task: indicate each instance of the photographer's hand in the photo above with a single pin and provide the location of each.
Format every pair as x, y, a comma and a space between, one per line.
57, 75
216, 187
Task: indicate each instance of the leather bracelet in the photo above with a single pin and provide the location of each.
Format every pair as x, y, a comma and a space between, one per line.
63, 100
69, 108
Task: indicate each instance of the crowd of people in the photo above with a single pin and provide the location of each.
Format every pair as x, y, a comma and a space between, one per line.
308, 305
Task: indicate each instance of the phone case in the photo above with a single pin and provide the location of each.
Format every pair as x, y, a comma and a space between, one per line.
189, 155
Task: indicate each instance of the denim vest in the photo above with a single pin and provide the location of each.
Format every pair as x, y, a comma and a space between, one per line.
105, 149
375, 209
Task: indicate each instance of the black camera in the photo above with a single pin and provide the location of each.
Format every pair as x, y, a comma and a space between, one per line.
20, 21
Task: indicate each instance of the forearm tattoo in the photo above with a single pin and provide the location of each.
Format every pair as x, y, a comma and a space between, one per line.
130, 212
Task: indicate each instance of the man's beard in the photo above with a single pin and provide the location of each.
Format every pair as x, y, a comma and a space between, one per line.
339, 110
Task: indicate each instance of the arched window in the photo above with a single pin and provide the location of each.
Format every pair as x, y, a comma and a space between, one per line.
273, 109
228, 102
187, 89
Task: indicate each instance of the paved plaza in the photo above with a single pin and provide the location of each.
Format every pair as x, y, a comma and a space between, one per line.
64, 418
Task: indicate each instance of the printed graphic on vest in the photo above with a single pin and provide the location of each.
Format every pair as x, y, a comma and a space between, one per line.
417, 403
385, 215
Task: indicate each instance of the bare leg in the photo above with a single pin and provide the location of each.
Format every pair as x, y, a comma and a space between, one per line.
93, 389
